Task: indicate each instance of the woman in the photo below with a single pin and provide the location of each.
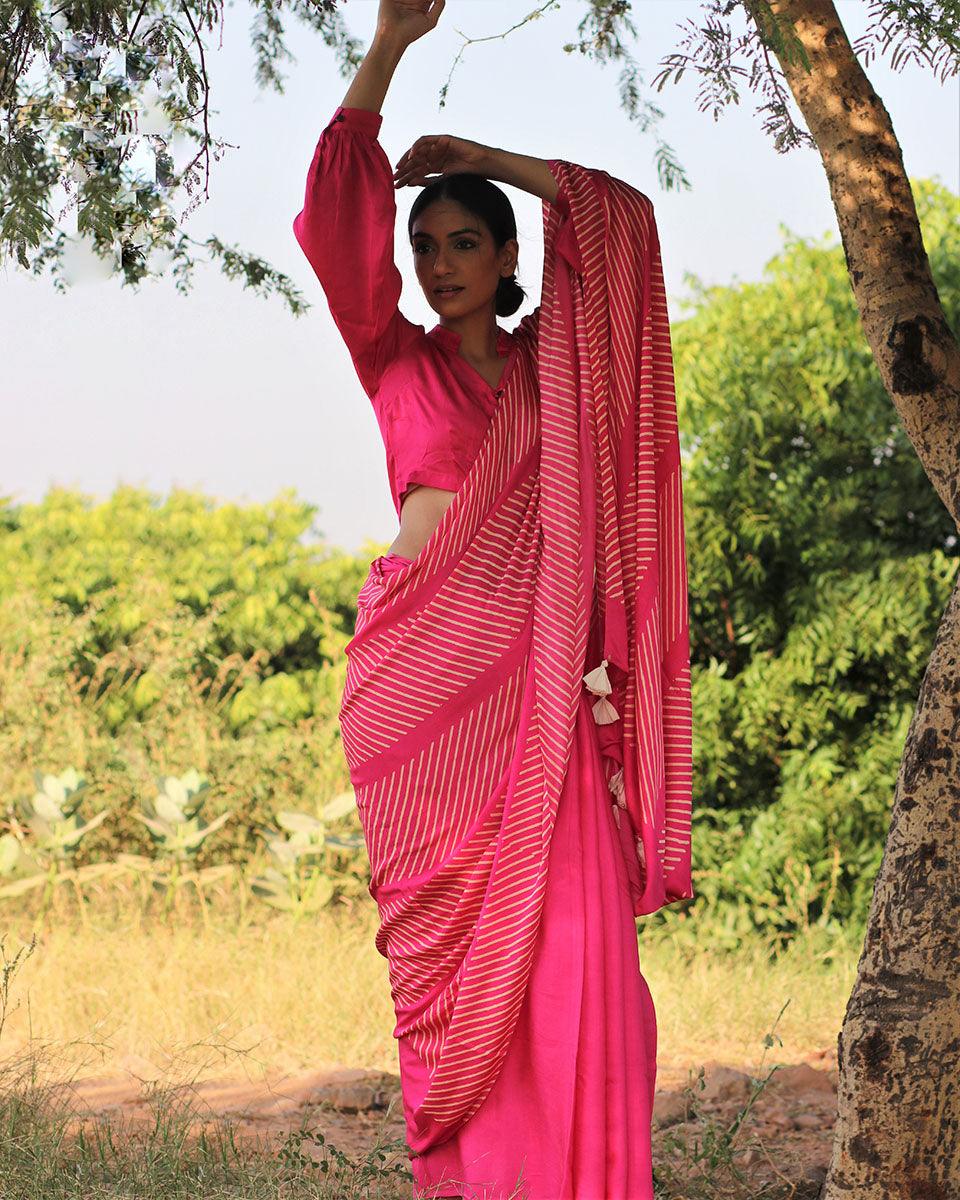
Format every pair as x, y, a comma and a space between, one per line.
516, 714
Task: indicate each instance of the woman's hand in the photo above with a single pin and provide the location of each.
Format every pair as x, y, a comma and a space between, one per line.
404, 21
440, 154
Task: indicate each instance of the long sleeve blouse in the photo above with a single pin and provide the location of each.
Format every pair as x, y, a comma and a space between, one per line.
433, 408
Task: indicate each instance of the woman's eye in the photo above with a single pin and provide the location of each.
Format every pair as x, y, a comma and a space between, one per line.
463, 243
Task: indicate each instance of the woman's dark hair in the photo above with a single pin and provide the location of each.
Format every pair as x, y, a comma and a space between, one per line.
486, 201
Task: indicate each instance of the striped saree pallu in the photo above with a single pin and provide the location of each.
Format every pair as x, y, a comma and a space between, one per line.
468, 663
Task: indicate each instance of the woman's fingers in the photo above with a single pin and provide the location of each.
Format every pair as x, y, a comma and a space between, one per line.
415, 179
411, 18
431, 155
424, 142
412, 177
420, 154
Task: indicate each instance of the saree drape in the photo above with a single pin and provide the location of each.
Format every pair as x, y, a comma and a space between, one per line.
555, 577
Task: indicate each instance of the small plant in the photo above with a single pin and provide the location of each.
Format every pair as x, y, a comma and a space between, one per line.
298, 883
51, 834
173, 816
51, 816
177, 829
713, 1148
351, 1176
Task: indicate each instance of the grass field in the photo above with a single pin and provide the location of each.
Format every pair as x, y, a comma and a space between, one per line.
226, 997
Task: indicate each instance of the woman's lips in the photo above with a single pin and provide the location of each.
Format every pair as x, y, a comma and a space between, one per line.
448, 291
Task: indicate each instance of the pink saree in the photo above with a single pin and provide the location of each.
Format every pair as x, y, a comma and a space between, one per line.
516, 720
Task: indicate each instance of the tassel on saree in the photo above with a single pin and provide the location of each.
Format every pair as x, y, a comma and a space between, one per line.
598, 681
604, 713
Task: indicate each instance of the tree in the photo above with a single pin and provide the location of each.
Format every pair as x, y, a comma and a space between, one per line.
115, 124
898, 1127
898, 1132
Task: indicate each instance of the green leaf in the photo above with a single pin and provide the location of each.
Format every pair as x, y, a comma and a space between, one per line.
340, 806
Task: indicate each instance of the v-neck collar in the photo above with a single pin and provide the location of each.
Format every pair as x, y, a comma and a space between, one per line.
451, 339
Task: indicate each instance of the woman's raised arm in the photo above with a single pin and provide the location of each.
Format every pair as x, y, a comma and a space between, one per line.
346, 225
399, 24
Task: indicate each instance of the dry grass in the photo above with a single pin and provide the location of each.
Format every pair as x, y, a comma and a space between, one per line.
305, 995
718, 1006
223, 996
190, 997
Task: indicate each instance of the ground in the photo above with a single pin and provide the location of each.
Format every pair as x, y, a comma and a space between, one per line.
781, 1148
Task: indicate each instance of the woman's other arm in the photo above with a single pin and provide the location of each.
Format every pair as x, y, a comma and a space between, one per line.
436, 154
522, 171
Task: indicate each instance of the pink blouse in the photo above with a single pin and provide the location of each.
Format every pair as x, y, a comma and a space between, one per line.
432, 406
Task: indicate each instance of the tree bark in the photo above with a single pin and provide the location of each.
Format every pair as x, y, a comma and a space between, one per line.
898, 1117
898, 1121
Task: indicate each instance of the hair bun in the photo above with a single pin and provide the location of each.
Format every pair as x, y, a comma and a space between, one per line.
510, 295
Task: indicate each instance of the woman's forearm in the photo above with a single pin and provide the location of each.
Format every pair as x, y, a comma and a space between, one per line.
369, 86
522, 171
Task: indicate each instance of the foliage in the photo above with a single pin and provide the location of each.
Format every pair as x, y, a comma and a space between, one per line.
106, 132
310, 866
51, 839
173, 818
52, 818
9, 853
337, 869
820, 559
724, 59
108, 142
140, 638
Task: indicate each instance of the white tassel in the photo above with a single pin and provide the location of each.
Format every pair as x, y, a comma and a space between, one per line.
597, 680
615, 785
604, 713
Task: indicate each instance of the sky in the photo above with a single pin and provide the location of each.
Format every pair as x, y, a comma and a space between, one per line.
227, 393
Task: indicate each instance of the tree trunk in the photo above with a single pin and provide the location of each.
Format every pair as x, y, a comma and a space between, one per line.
898, 1117
898, 1121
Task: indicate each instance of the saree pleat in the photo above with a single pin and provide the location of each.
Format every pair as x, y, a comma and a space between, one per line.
522, 804
569, 1115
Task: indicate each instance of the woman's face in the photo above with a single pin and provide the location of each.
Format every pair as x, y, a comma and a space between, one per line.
452, 247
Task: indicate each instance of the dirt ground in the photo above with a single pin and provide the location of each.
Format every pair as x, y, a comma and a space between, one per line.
783, 1142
